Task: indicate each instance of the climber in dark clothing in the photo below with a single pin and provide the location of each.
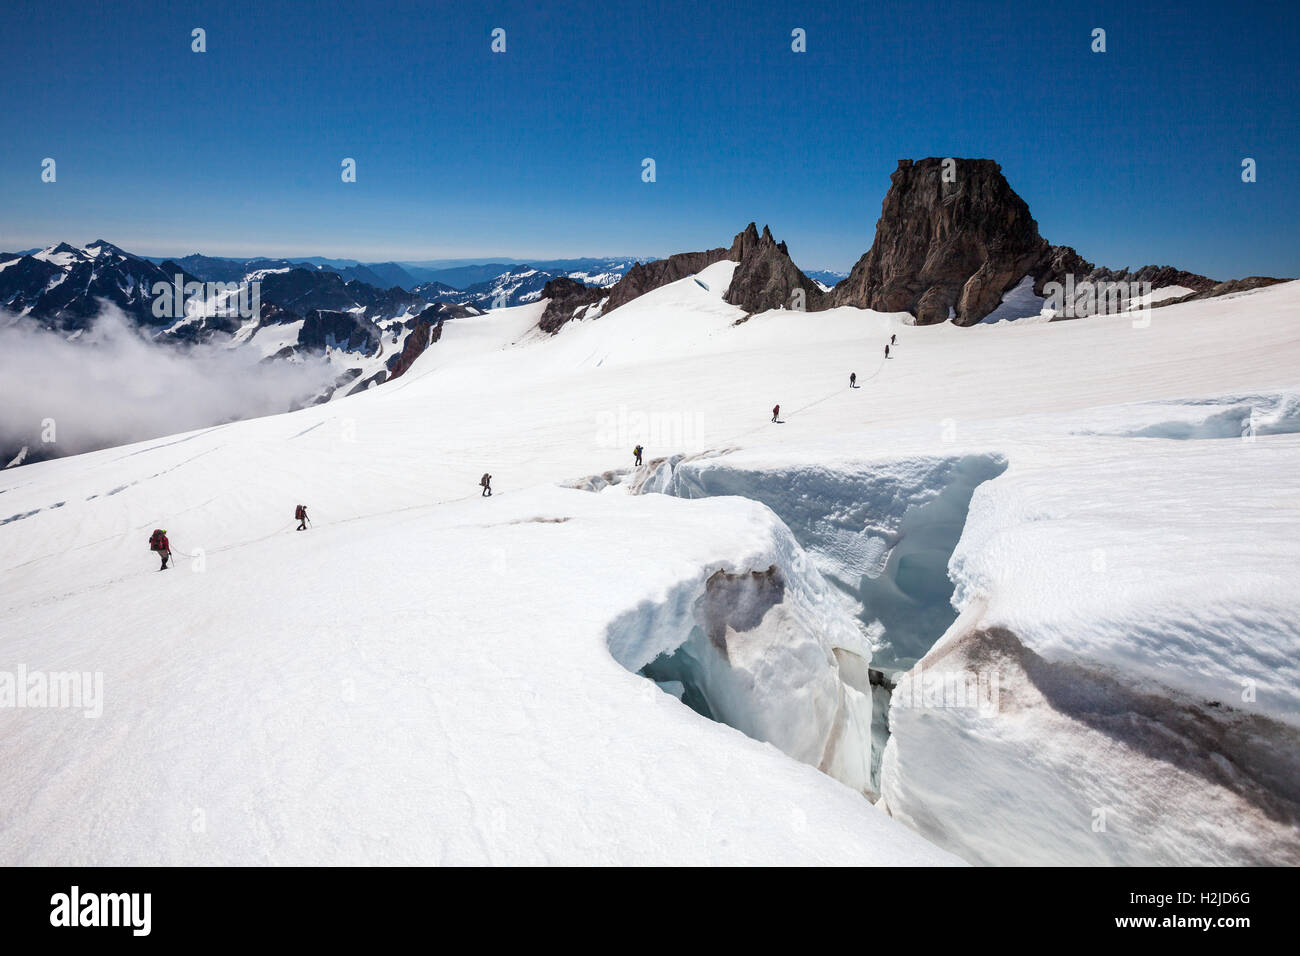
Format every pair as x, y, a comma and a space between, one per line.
853, 379
776, 412
893, 340
637, 452
301, 514
886, 351
486, 483
158, 543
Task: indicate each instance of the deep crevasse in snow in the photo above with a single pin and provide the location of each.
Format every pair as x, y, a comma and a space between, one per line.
1123, 733
760, 650
880, 535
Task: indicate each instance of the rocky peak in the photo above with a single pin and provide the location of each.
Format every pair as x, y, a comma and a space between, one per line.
346, 331
745, 240
951, 246
564, 297
106, 248
765, 277
427, 331
945, 248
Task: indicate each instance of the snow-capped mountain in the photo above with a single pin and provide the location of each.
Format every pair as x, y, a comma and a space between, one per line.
353, 335
359, 330
519, 285
383, 275
522, 284
65, 287
464, 275
480, 285
827, 279
62, 286
434, 291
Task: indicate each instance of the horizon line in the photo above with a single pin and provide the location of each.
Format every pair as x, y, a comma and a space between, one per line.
27, 248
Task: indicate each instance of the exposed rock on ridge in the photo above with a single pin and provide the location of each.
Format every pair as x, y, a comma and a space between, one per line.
766, 277
564, 297
645, 277
952, 249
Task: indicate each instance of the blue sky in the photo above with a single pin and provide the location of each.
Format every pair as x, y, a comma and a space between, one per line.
1132, 156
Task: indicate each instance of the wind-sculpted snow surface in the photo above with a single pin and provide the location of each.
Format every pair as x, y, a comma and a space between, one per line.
1125, 663
1132, 658
1223, 416
376, 705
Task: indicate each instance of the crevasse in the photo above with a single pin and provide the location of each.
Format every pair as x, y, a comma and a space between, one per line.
808, 648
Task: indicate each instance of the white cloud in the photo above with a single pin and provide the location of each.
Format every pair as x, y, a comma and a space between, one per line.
111, 385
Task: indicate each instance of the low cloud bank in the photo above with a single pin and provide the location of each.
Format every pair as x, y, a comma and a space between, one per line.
111, 386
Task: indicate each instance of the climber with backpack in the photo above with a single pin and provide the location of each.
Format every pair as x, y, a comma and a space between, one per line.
776, 413
300, 515
486, 483
158, 542
637, 452
853, 379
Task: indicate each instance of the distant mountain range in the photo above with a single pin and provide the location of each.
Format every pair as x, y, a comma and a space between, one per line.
369, 320
827, 278
485, 285
274, 310
62, 286
478, 284
945, 249
521, 284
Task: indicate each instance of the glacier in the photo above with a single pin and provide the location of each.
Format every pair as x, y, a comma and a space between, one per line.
431, 677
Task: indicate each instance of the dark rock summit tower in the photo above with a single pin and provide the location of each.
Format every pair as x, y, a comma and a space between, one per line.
946, 248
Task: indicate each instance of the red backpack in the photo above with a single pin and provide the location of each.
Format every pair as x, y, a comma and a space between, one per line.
299, 512
157, 540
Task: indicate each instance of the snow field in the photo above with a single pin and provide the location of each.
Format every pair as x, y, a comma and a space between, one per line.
430, 677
